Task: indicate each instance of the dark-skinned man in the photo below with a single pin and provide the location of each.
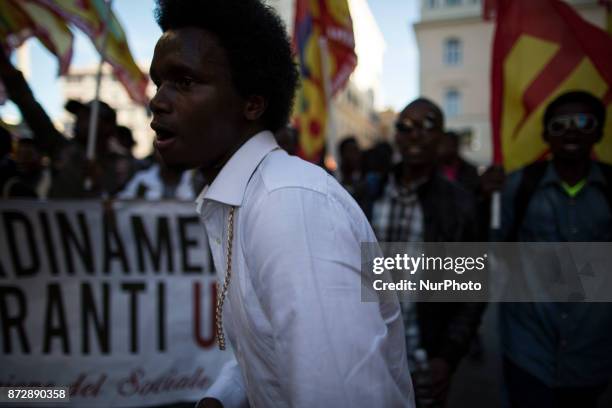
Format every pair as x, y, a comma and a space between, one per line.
418, 204
285, 236
559, 354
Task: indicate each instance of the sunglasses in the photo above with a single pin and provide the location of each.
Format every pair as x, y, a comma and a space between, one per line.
583, 122
409, 126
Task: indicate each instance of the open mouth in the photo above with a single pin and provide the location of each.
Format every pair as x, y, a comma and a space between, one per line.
163, 136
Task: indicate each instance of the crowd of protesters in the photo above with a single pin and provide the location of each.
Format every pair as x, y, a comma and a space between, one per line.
44, 163
554, 355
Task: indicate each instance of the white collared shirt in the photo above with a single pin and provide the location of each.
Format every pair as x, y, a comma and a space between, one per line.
293, 314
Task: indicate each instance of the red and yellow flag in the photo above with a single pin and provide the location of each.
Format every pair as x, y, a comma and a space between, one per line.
315, 20
543, 49
90, 17
22, 19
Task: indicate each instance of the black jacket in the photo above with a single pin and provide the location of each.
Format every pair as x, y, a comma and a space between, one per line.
449, 211
447, 329
467, 176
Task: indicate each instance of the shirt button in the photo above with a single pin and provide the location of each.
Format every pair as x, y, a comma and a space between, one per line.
217, 241
563, 316
574, 230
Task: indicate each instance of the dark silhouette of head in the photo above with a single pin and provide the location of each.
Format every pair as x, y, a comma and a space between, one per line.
350, 154
107, 122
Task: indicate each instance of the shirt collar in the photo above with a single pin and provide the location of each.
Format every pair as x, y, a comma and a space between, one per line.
595, 175
230, 184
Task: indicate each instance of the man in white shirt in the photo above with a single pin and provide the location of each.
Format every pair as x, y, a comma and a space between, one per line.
291, 295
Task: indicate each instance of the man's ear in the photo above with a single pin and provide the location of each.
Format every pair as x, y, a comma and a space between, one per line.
255, 107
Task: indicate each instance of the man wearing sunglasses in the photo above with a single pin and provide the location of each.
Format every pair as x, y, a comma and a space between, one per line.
416, 203
560, 354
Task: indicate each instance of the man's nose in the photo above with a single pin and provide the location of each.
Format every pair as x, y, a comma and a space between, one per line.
160, 103
417, 135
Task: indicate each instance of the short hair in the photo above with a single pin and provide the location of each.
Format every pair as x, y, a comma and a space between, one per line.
599, 110
431, 104
104, 109
345, 142
256, 42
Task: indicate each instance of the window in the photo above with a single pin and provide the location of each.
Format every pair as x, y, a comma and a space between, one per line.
452, 103
431, 4
453, 52
453, 2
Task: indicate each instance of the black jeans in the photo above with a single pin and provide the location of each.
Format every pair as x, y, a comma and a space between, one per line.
526, 391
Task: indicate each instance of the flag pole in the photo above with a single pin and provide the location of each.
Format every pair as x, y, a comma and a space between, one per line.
331, 131
92, 134
496, 210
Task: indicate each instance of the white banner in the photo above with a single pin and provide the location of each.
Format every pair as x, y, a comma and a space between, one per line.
113, 300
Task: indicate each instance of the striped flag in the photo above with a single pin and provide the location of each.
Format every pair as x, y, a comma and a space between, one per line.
22, 19
542, 49
329, 20
89, 16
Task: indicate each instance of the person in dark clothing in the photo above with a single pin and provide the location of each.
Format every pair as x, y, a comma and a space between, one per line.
8, 168
418, 204
350, 162
71, 166
6, 143
453, 166
33, 177
559, 354
126, 165
125, 140
377, 162
378, 159
351, 175
465, 174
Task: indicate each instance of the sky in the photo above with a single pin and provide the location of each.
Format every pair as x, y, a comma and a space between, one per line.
394, 18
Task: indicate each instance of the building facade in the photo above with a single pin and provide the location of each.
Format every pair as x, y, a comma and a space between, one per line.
455, 46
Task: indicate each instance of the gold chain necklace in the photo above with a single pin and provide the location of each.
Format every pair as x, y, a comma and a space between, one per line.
226, 281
